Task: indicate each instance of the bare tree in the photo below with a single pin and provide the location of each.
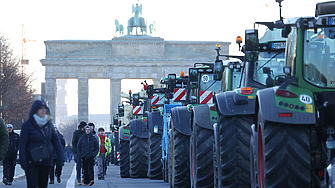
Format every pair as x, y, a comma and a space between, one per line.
67, 128
16, 87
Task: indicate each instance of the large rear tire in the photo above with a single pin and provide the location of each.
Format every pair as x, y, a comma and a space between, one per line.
124, 159
201, 157
138, 157
155, 156
283, 155
181, 159
235, 132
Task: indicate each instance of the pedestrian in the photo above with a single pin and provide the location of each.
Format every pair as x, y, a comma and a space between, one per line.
68, 151
56, 162
88, 148
104, 150
9, 161
4, 139
37, 138
93, 130
76, 136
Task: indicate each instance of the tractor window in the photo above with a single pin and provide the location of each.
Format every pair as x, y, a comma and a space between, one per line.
207, 83
291, 49
237, 77
274, 60
319, 56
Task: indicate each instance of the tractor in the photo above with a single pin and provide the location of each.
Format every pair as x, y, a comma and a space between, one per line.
292, 143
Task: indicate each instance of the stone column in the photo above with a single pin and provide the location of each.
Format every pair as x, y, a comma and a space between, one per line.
83, 99
115, 96
50, 95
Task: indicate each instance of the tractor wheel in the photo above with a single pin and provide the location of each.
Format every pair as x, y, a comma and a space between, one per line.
124, 159
170, 158
253, 161
201, 157
235, 132
138, 157
283, 155
155, 156
216, 156
181, 160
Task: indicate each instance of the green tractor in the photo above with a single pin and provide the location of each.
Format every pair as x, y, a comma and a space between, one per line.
293, 133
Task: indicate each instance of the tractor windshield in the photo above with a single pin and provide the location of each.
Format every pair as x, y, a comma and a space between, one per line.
319, 56
271, 54
273, 59
208, 83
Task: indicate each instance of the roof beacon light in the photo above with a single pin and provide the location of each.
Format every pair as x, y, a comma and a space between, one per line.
238, 39
182, 73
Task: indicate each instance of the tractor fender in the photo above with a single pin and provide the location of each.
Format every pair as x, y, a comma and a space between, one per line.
155, 119
125, 133
139, 128
231, 103
269, 110
202, 117
181, 118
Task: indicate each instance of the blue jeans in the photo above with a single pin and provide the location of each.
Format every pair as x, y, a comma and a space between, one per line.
69, 157
78, 166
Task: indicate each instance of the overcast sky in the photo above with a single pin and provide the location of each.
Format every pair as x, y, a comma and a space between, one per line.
184, 20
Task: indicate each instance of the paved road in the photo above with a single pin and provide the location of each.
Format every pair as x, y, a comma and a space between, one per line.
112, 180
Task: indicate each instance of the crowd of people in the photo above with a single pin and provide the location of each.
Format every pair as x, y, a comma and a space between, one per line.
43, 152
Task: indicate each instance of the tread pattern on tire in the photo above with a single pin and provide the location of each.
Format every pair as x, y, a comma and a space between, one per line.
235, 133
138, 157
124, 159
287, 155
155, 156
204, 156
181, 169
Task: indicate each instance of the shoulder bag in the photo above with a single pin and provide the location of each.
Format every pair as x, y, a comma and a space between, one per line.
40, 154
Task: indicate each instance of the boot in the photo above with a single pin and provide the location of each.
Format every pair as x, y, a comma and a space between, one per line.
79, 181
51, 182
5, 181
58, 179
91, 183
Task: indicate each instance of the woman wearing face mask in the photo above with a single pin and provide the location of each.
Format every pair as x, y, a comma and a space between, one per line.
36, 131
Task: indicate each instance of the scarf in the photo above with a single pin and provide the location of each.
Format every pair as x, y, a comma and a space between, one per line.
41, 120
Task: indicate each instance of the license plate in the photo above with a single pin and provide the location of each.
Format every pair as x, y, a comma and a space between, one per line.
331, 21
278, 45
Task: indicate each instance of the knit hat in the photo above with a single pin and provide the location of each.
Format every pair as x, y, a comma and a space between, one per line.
82, 124
9, 126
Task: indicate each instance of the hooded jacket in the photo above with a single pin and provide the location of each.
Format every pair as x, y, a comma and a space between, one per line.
75, 138
33, 136
13, 146
87, 146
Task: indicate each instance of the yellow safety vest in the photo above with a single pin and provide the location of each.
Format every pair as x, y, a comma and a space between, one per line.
108, 146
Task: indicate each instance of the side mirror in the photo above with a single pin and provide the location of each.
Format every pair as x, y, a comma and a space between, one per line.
172, 82
251, 40
120, 110
193, 75
135, 99
218, 70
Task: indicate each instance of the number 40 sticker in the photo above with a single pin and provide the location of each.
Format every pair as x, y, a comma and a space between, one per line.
306, 99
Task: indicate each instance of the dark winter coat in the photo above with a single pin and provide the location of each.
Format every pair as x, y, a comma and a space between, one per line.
32, 136
62, 142
88, 146
75, 138
4, 141
13, 146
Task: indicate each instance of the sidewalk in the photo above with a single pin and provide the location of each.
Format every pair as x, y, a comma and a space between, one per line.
19, 172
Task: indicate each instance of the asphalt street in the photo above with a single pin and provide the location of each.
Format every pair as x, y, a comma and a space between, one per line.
112, 179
